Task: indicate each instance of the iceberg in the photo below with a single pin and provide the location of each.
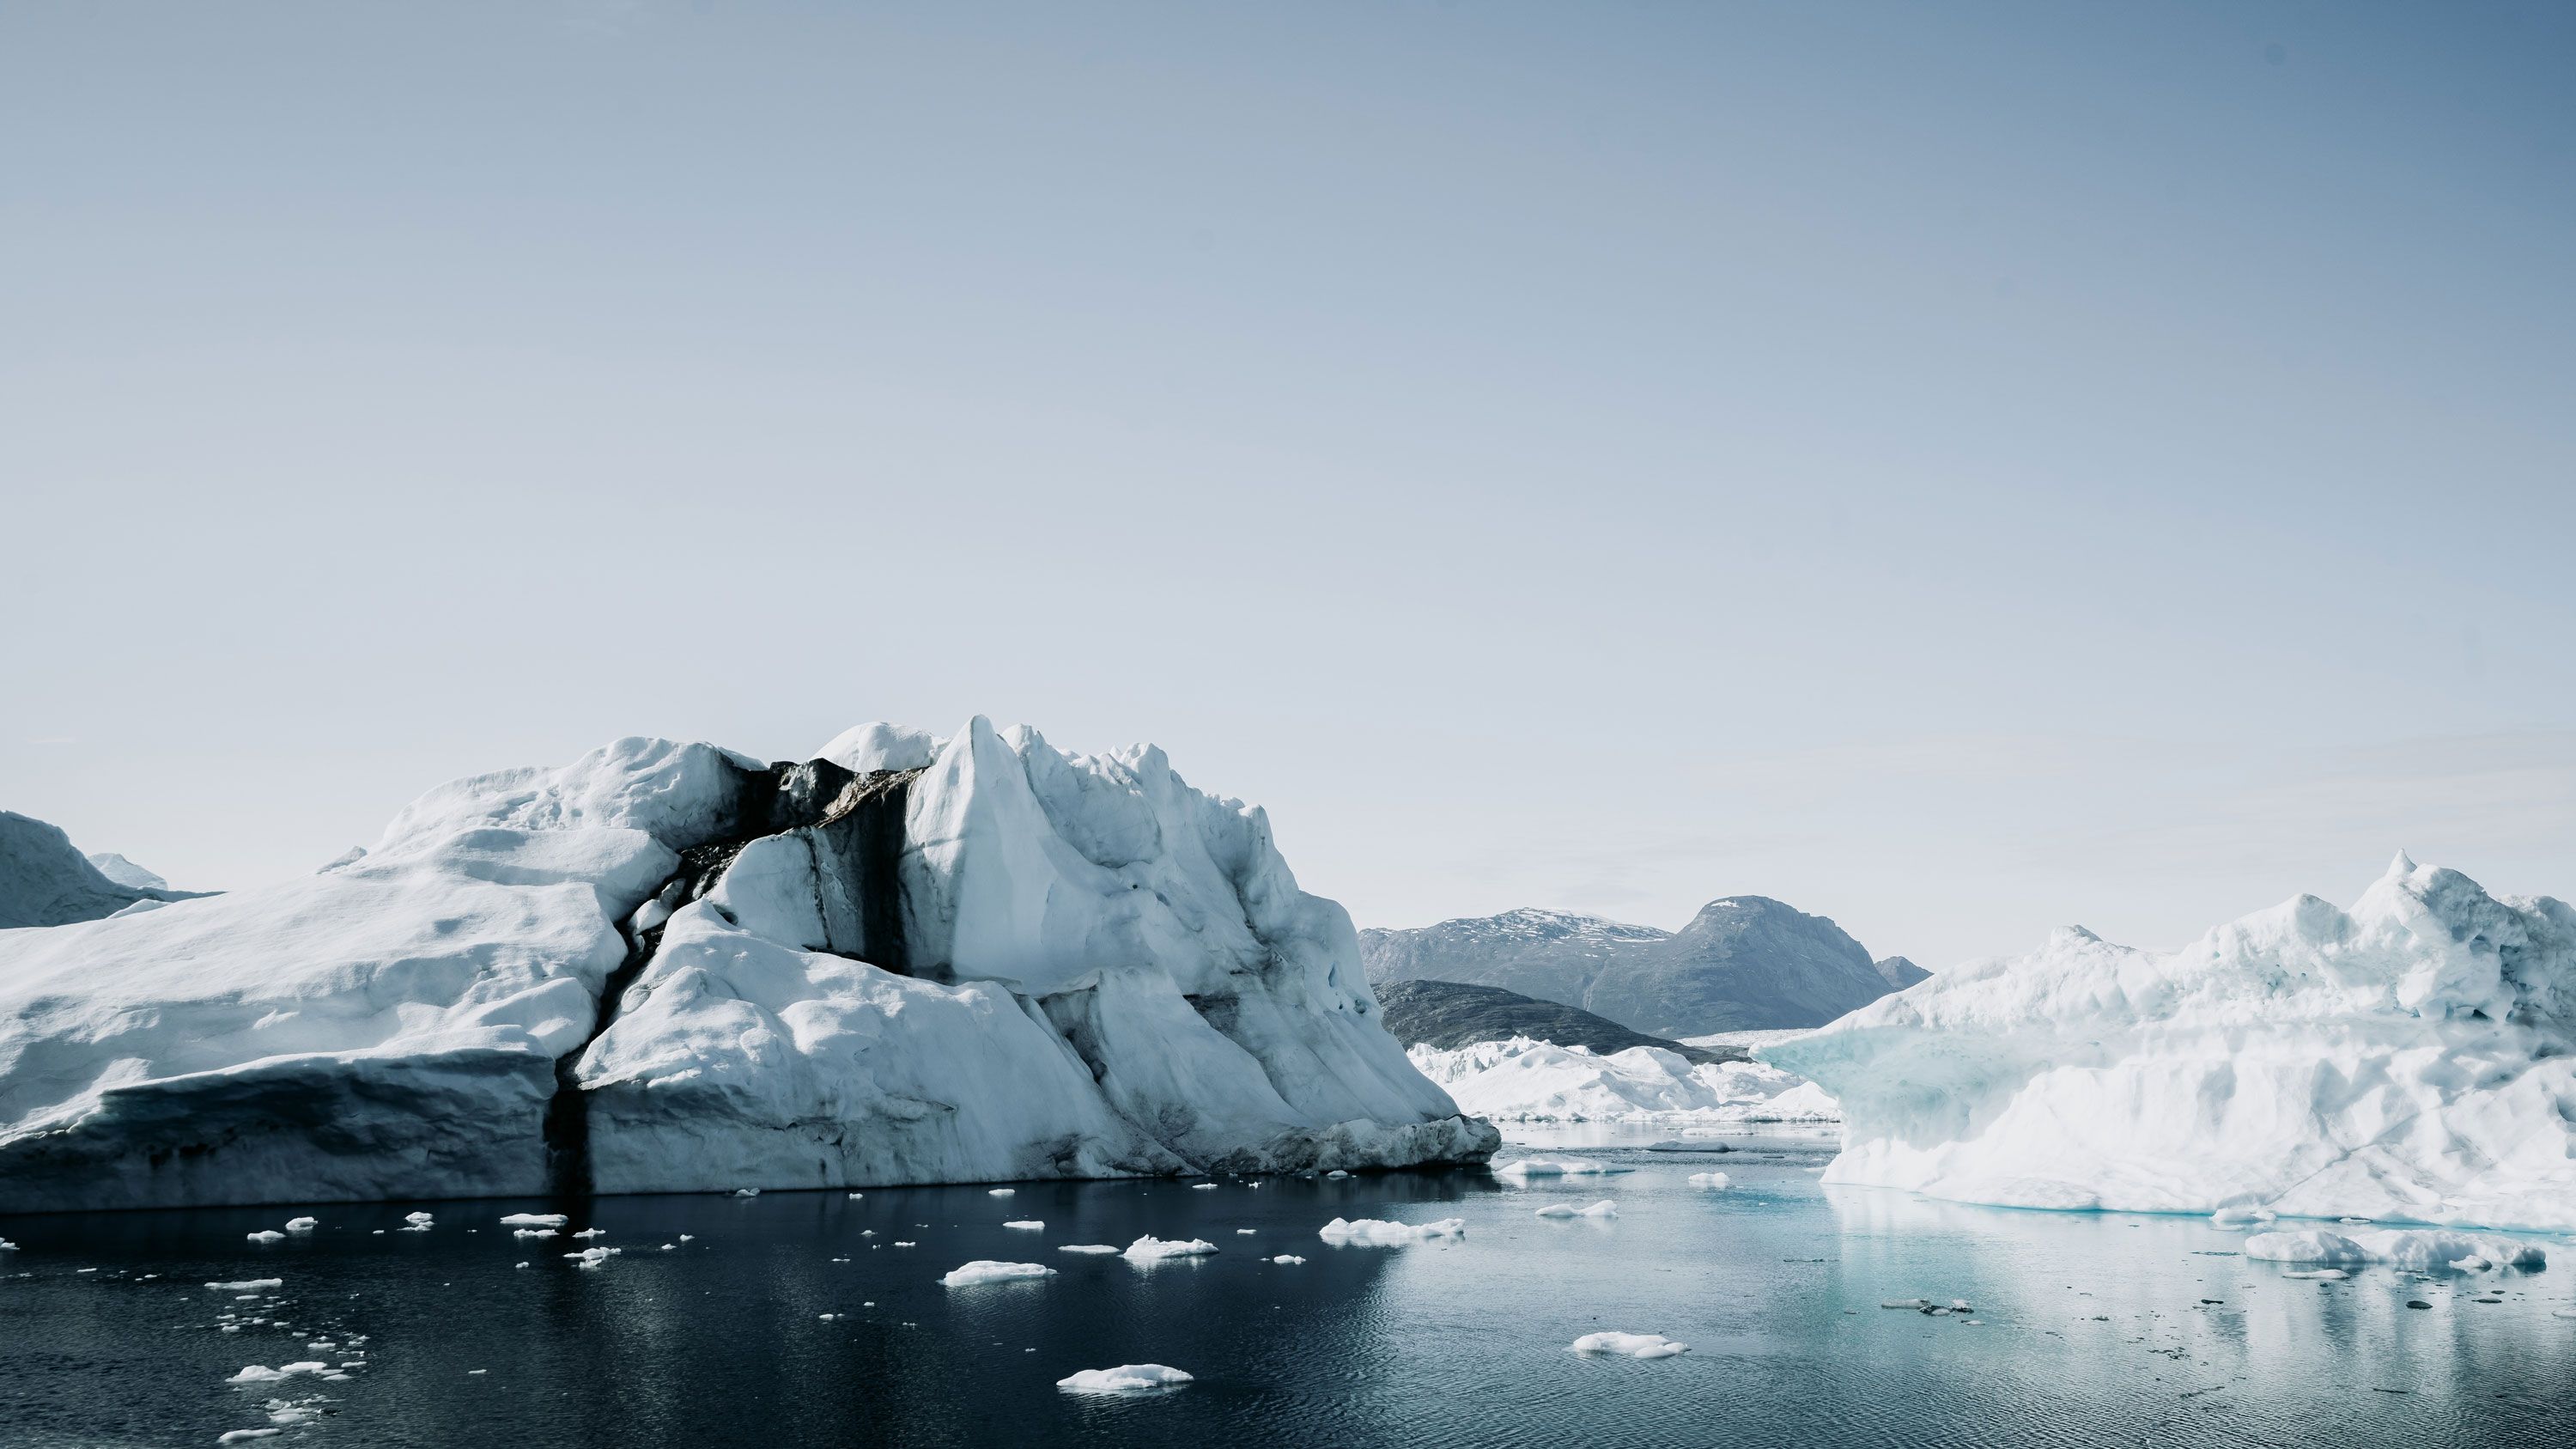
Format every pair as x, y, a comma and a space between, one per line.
1525, 1080
1130, 1378
669, 967
2412, 1059
1380, 1233
2420, 1250
986, 1270
1633, 1345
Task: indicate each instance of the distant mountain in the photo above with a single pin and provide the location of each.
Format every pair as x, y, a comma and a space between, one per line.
1452, 1014
45, 881
1899, 972
1745, 963
125, 872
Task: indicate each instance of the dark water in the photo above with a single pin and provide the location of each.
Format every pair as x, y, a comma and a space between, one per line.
2091, 1330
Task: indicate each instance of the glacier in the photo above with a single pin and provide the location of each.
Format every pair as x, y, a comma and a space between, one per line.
1526, 1080
2412, 1059
671, 967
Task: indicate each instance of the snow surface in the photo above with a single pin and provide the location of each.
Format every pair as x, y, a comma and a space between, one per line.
1111, 973
1127, 1378
2412, 1059
1634, 1345
1527, 1080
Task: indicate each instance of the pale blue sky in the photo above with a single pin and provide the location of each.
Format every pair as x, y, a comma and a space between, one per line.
1956, 468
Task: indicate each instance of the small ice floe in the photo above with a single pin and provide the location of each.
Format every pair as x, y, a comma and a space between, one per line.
673, 1247
688, 1237
999, 1191
746, 1192
2322, 1275
593, 1257
1634, 1345
1379, 1233
902, 1244
592, 1233
247, 1285
1026, 1225
826, 1317
302, 1225
854, 1197
2419, 1249
263, 1374
1086, 1248
1711, 1180
267, 1235
320, 1345
7, 1247
245, 1436
1926, 1305
536, 1220
417, 1223
1336, 1172
1127, 1378
1606, 1208
518, 1265
2241, 1215
1290, 1259
1202, 1187
1151, 1249
1244, 1232
532, 1232
1529, 1167
986, 1270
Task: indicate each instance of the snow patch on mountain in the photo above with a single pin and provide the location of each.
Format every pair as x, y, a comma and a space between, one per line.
2412, 1059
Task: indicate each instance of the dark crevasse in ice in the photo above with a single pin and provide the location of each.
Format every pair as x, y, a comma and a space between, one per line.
852, 825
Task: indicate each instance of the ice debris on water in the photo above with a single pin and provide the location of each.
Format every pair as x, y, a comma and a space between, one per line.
1528, 1167
535, 1220
2420, 1249
1711, 1180
1634, 1345
1151, 1249
1087, 1248
1131, 1378
987, 1270
1379, 1233
247, 1286
1606, 1208
1288, 1258
302, 1225
1027, 1225
267, 1235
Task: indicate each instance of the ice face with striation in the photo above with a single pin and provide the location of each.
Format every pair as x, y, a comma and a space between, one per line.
1525, 1080
2413, 1059
672, 967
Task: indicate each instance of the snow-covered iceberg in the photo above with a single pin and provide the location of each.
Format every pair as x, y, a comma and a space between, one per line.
2413, 1059
671, 967
1523, 1080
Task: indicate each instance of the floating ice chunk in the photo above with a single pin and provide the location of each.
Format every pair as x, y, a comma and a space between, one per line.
1288, 1258
247, 1285
593, 1257
535, 1220
2239, 1215
999, 1191
2420, 1249
1606, 1208
302, 1225
1086, 1248
2322, 1274
1202, 1187
986, 1270
7, 1247
1337, 1172
1529, 1167
420, 1220
1710, 1180
592, 1233
532, 1232
1634, 1345
262, 1374
854, 1197
688, 1237
267, 1235
518, 1265
244, 1436
1128, 1378
1245, 1232
1151, 1249
1379, 1233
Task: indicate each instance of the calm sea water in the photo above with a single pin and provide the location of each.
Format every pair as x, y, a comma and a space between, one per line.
2089, 1330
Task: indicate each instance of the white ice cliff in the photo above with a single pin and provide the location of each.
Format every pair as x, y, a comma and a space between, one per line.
2413, 1059
667, 967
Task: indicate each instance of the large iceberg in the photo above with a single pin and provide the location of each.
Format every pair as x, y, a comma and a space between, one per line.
2413, 1059
670, 967
1526, 1080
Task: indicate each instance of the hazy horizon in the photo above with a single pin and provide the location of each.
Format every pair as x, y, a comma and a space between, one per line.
1958, 472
